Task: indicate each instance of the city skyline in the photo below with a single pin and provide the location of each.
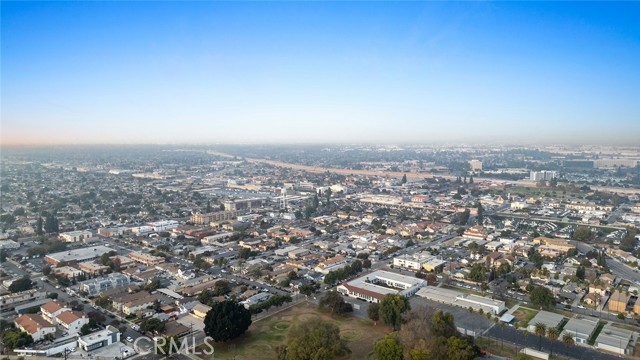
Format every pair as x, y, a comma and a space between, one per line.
206, 73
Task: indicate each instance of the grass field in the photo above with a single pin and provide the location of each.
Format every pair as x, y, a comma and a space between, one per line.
524, 315
260, 341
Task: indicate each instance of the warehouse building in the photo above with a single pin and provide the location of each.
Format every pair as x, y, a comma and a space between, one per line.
456, 298
374, 286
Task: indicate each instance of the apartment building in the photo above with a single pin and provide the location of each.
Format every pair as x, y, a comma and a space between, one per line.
145, 259
205, 219
10, 301
72, 321
34, 325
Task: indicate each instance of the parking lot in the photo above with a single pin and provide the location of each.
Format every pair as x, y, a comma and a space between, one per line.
463, 318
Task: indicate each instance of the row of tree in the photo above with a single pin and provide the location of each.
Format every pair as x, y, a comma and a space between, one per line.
341, 274
274, 300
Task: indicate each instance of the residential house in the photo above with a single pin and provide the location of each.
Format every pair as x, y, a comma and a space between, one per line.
34, 325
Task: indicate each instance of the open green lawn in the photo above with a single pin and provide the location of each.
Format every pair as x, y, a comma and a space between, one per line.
524, 315
264, 335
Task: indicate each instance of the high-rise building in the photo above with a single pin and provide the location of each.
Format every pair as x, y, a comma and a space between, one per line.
543, 175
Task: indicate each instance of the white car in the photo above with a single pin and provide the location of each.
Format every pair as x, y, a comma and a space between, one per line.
129, 339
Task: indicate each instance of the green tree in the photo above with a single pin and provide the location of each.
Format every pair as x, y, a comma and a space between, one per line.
14, 339
374, 312
314, 340
460, 349
151, 325
583, 233
332, 301
553, 334
21, 284
39, 226
541, 331
541, 296
85, 329
442, 324
404, 178
388, 348
226, 320
392, 307
568, 341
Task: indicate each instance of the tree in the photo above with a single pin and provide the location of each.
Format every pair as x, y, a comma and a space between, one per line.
52, 295
392, 307
541, 296
335, 303
541, 331
314, 340
374, 312
208, 210
151, 325
51, 224
85, 329
21, 284
404, 179
388, 348
480, 210
580, 272
226, 320
553, 334
39, 226
14, 339
442, 324
583, 233
568, 341
460, 349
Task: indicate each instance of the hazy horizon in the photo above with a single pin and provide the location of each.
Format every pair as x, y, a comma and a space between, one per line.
207, 73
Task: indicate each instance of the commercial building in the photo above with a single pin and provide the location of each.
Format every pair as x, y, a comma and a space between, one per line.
456, 298
244, 204
616, 340
10, 301
94, 287
374, 286
548, 319
99, 339
542, 175
112, 232
75, 236
34, 325
580, 329
91, 268
146, 259
205, 219
614, 163
77, 255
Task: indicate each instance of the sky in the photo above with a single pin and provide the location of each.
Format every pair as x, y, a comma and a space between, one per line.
319, 72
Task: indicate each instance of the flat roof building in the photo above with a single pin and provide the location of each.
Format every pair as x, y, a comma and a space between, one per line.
374, 286
549, 319
146, 259
456, 298
99, 339
77, 255
580, 329
616, 340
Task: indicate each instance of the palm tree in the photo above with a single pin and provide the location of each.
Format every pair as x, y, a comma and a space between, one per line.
553, 334
568, 341
541, 330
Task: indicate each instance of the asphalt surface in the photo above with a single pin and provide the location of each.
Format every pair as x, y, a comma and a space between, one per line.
511, 335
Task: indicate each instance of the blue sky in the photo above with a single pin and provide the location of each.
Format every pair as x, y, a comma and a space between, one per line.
269, 72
